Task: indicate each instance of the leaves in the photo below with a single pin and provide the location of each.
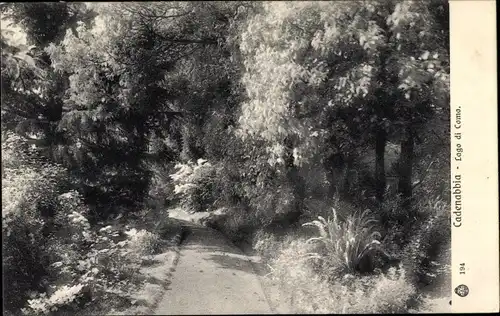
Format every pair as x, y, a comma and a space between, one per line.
346, 242
350, 57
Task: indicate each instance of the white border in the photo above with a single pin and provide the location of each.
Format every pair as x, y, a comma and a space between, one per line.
473, 89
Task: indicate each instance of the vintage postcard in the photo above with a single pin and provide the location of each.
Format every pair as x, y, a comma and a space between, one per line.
249, 157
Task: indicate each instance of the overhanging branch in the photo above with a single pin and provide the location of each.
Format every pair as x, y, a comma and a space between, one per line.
184, 41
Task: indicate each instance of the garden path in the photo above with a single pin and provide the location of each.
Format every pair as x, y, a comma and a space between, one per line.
212, 276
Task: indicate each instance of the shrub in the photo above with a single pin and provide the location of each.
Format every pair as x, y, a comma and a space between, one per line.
345, 244
54, 262
309, 290
256, 195
431, 236
272, 203
388, 293
236, 223
194, 184
266, 244
91, 269
143, 242
69, 234
29, 198
322, 274
63, 296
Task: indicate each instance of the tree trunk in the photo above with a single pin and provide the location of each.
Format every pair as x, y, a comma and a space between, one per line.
345, 187
333, 166
380, 180
405, 168
187, 149
292, 174
381, 111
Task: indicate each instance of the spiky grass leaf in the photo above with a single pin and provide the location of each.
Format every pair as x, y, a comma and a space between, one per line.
319, 225
310, 240
323, 220
347, 241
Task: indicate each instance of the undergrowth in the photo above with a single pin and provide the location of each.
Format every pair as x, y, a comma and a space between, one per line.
338, 269
311, 290
55, 261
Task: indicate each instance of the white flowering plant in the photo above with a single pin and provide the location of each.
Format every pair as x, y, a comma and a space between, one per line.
194, 184
54, 259
143, 242
29, 193
92, 266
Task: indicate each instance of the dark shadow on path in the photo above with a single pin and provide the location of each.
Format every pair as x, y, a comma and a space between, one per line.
208, 239
235, 263
219, 249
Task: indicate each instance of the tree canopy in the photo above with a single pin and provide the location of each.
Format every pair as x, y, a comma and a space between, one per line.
315, 82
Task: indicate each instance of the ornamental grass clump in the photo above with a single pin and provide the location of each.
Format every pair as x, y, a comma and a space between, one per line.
343, 245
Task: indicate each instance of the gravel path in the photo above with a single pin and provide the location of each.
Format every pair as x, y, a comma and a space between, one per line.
212, 276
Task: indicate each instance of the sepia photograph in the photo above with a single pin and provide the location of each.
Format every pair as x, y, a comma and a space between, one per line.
229, 157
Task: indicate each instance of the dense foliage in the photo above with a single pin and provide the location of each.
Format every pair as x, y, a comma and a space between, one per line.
273, 111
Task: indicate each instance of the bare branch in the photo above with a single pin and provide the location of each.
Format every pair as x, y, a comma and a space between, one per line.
184, 41
165, 15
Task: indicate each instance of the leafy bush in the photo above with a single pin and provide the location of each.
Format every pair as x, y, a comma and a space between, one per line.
256, 194
309, 290
194, 184
431, 236
266, 244
236, 223
54, 261
59, 245
63, 296
272, 203
83, 262
381, 293
89, 277
29, 199
143, 242
322, 274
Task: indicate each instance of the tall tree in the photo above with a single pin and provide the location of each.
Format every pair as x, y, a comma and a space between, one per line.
421, 37
140, 66
364, 63
24, 101
32, 99
46, 22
